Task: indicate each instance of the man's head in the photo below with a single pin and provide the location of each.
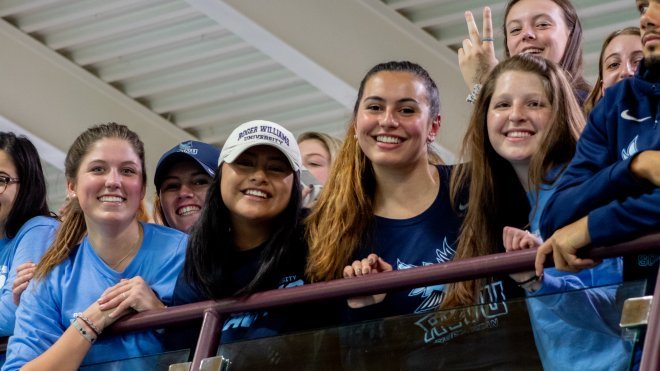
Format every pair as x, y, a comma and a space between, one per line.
649, 11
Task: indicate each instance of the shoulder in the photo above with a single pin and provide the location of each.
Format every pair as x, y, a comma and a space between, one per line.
158, 234
39, 222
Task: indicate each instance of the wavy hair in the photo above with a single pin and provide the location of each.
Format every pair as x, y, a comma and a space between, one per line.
341, 218
73, 227
572, 60
496, 197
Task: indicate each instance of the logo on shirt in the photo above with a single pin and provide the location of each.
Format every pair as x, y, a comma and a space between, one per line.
630, 150
432, 295
442, 326
626, 116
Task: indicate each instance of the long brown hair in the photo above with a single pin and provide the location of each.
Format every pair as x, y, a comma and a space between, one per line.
343, 215
571, 61
496, 197
597, 90
73, 227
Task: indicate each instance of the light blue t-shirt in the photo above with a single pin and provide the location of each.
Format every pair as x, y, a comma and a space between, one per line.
577, 327
48, 306
29, 244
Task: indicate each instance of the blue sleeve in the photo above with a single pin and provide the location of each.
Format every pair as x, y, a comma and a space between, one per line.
563, 293
29, 245
593, 178
37, 325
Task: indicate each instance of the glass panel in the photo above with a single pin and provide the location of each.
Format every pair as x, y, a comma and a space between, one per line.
564, 330
154, 362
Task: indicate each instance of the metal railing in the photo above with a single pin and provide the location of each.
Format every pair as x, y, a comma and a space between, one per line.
212, 312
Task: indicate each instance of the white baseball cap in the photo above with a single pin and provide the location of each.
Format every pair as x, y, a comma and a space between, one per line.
261, 132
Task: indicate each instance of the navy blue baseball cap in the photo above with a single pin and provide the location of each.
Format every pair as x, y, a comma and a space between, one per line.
205, 155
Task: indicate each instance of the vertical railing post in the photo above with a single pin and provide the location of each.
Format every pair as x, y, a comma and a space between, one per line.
207, 342
651, 353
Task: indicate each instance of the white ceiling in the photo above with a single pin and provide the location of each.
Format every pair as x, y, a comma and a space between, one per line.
175, 69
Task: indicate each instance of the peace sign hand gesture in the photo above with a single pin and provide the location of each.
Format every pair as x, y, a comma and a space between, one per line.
477, 56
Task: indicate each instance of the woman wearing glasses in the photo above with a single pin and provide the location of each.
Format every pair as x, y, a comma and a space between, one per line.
26, 223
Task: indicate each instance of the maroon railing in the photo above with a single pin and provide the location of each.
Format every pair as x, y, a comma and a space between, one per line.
213, 311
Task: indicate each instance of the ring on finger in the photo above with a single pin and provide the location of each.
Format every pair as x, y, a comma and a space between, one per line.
487, 39
123, 294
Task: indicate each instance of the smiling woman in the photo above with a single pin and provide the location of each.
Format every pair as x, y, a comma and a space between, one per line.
182, 178
249, 236
102, 265
549, 28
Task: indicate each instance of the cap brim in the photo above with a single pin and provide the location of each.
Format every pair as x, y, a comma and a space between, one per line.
167, 162
235, 151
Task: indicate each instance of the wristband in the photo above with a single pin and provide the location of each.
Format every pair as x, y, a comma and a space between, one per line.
89, 323
82, 331
472, 97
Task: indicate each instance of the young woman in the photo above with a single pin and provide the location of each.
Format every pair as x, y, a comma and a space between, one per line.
549, 28
521, 137
318, 151
102, 265
390, 209
248, 237
26, 223
619, 57
182, 178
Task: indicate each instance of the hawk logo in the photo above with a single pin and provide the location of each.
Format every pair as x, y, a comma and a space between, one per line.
187, 147
432, 295
630, 150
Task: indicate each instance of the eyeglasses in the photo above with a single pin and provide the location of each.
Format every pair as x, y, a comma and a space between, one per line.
5, 181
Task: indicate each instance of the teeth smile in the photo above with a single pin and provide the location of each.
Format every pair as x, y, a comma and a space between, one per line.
387, 139
518, 134
187, 210
257, 193
110, 199
533, 51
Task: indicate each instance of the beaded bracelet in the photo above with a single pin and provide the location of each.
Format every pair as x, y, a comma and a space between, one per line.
472, 97
88, 322
82, 331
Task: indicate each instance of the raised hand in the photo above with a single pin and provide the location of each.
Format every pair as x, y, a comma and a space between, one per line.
477, 56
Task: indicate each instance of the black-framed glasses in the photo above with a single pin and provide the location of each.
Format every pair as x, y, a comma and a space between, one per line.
5, 181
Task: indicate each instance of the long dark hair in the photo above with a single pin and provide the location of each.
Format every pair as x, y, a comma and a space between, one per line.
208, 256
31, 198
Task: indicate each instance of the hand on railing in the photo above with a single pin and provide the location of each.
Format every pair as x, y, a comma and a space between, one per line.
516, 239
564, 245
372, 264
24, 274
133, 295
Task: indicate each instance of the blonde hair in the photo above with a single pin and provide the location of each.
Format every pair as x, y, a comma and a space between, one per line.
343, 216
73, 227
330, 143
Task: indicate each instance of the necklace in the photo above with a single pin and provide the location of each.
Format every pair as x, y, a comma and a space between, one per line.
132, 250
